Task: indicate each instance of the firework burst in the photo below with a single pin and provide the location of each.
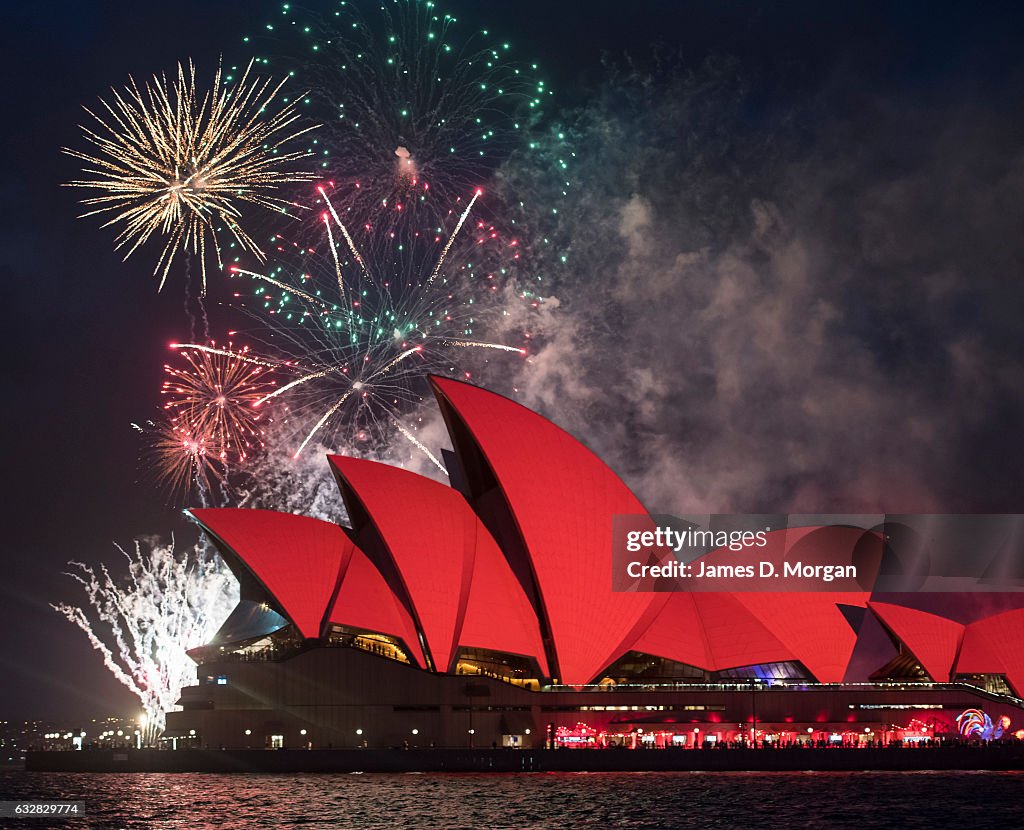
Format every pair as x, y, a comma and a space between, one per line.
181, 459
143, 626
417, 107
213, 395
360, 338
177, 164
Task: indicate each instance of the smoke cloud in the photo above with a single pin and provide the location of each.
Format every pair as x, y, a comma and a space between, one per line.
810, 311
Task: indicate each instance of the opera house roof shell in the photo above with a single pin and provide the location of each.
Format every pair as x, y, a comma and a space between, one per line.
517, 559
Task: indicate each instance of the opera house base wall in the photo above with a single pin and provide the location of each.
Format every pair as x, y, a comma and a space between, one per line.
326, 698
1000, 757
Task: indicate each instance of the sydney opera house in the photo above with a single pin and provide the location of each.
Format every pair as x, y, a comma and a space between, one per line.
482, 613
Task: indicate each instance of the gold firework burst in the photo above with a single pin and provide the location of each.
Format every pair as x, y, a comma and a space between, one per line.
181, 457
177, 164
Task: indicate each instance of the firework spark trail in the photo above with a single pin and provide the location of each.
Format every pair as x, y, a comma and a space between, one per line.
171, 164
202, 319
391, 365
144, 627
451, 239
242, 356
256, 361
284, 287
323, 420
473, 344
348, 237
419, 445
334, 255
321, 373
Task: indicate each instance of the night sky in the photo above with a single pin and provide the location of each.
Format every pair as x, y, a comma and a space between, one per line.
852, 97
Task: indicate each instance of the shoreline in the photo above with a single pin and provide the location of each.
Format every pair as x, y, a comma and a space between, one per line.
1006, 757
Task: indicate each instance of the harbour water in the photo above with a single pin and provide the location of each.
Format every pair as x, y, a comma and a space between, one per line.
544, 801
